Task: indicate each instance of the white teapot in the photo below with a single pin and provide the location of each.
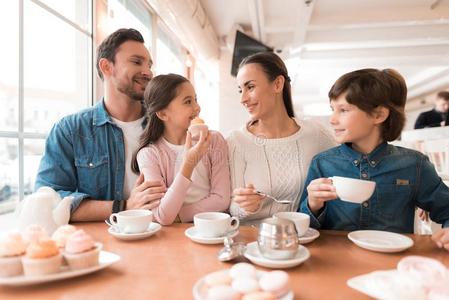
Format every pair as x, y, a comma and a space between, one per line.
45, 208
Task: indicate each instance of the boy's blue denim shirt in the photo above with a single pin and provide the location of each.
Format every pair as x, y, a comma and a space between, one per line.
84, 157
404, 179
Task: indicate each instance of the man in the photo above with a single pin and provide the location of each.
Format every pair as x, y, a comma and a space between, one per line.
438, 116
88, 154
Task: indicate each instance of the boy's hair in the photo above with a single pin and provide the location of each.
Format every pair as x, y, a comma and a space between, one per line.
273, 66
371, 88
108, 48
443, 95
160, 91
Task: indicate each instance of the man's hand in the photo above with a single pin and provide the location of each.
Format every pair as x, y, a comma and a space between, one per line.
441, 238
146, 194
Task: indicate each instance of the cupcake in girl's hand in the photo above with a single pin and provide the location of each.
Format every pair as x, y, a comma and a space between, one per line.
197, 125
81, 251
12, 248
62, 233
42, 257
33, 233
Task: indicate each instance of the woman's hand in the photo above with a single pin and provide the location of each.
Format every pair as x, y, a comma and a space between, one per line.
247, 198
319, 191
194, 154
441, 238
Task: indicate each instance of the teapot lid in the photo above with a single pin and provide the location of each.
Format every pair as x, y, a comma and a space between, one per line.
277, 227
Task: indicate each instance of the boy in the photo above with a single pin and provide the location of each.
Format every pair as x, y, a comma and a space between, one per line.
368, 111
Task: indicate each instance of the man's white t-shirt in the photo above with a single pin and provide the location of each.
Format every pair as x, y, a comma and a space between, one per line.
131, 136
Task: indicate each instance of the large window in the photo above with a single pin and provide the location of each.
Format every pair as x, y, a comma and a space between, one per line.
46, 73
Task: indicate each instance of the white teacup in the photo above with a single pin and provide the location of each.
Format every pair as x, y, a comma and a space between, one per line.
301, 220
353, 190
214, 224
132, 221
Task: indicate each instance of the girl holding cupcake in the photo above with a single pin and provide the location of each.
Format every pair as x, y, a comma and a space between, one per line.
195, 173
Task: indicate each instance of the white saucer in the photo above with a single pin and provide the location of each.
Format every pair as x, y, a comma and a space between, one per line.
310, 235
200, 288
105, 260
253, 254
380, 241
152, 229
192, 234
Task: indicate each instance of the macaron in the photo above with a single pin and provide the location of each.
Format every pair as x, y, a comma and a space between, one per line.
243, 270
275, 282
222, 292
218, 278
245, 285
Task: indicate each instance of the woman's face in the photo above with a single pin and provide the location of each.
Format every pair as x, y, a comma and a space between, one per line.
258, 94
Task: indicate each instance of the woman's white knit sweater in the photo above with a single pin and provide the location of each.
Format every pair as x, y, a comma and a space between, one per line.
277, 167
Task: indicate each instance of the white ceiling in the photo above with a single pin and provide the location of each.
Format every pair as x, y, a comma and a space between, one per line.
322, 39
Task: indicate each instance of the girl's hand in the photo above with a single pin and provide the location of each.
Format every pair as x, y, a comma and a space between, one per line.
247, 198
320, 190
194, 154
441, 238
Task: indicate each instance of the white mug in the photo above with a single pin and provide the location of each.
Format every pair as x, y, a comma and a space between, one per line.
301, 220
214, 224
353, 190
132, 221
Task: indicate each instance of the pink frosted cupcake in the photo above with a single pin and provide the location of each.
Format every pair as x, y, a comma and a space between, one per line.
62, 233
41, 258
12, 248
81, 251
33, 233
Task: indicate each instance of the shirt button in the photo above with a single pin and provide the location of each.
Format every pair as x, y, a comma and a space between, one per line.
364, 175
373, 162
91, 165
355, 161
365, 204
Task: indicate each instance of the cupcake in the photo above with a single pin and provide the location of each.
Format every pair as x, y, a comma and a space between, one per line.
196, 126
33, 233
81, 251
61, 234
12, 248
42, 257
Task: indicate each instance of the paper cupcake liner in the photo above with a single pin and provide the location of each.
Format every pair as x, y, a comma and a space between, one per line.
11, 266
41, 266
83, 260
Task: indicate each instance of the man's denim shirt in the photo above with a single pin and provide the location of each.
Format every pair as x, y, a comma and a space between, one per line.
84, 157
404, 179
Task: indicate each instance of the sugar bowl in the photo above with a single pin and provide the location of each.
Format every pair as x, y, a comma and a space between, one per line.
277, 238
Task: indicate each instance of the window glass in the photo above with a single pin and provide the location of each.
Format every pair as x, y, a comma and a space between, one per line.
9, 172
77, 11
170, 56
32, 154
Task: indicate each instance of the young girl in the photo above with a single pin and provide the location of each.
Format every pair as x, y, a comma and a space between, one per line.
197, 177
368, 111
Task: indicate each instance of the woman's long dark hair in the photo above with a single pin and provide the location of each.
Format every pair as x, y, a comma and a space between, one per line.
273, 66
160, 91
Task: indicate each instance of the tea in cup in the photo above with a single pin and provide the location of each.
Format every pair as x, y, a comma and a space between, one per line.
301, 220
132, 221
353, 190
214, 224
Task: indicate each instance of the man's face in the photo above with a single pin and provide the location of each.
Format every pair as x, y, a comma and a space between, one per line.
131, 71
442, 105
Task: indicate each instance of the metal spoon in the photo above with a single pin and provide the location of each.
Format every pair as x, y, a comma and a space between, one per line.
283, 201
231, 250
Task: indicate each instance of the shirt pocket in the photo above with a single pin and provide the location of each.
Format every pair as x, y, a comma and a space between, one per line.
392, 200
93, 174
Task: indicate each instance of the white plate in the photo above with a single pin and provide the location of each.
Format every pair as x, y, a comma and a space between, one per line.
105, 259
253, 254
152, 229
310, 235
380, 241
387, 284
200, 287
192, 234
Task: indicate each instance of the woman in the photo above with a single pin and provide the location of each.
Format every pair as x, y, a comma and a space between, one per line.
272, 152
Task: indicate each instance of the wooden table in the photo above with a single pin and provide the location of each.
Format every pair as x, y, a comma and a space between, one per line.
166, 266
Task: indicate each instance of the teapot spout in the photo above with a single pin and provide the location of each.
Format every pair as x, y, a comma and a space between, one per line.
61, 213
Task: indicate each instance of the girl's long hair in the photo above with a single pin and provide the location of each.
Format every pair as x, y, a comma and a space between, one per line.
160, 91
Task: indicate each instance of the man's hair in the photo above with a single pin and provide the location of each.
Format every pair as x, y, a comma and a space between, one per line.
371, 88
443, 95
108, 48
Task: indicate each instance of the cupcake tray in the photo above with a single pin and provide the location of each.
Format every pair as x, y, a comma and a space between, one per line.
105, 260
